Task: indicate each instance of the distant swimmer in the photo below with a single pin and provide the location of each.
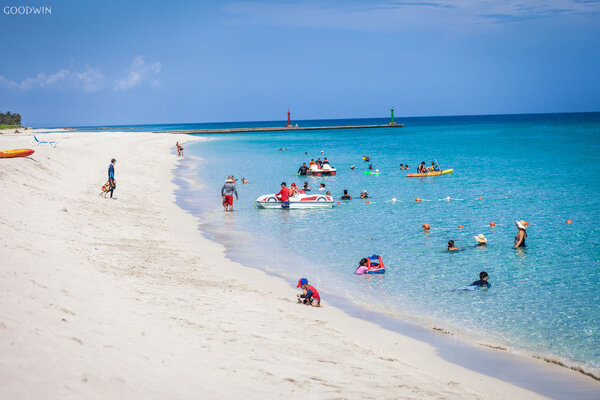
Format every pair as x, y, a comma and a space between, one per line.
306, 187
451, 246
406, 166
346, 196
483, 280
370, 166
352, 167
322, 186
328, 193
309, 295
303, 169
244, 181
364, 194
367, 159
481, 240
521, 234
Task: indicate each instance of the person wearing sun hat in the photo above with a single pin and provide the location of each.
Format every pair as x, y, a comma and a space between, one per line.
481, 240
309, 296
521, 234
227, 192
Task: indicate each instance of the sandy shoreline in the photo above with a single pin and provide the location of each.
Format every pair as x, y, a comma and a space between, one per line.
126, 299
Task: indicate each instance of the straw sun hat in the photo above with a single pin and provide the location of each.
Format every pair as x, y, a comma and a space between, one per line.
521, 224
480, 238
230, 179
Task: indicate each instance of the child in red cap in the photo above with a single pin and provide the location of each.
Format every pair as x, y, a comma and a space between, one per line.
309, 296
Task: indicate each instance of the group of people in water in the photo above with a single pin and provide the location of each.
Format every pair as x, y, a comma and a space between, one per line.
519, 241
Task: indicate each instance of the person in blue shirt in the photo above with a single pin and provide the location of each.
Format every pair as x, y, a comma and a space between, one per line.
483, 280
111, 178
434, 167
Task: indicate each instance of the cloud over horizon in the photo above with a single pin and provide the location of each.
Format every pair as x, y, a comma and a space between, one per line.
89, 80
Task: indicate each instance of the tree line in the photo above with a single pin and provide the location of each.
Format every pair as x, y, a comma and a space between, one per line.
9, 118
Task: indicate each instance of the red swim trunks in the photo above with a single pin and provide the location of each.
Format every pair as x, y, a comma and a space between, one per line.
228, 200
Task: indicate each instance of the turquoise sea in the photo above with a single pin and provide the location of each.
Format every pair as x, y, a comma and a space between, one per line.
544, 300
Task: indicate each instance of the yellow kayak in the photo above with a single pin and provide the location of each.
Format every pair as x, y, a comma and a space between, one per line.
420, 175
16, 153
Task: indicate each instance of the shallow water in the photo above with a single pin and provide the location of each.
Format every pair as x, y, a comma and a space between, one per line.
544, 299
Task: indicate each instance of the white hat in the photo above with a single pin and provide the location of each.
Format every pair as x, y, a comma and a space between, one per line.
520, 224
480, 238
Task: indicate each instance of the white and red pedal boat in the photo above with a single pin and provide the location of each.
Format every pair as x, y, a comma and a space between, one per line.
297, 201
325, 170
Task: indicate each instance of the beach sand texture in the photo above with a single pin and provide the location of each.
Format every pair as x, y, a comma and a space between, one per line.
126, 299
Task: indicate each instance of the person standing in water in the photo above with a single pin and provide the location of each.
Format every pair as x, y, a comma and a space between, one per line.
179, 149
284, 195
227, 192
521, 234
111, 178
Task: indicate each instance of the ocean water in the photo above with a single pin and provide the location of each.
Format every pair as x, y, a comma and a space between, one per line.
544, 299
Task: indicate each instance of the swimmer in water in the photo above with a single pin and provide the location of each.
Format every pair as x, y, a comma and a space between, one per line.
362, 267
481, 240
244, 180
306, 187
346, 196
483, 280
521, 234
322, 186
364, 194
451, 246
352, 167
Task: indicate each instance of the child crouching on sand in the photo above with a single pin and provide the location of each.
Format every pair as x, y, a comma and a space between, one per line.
309, 296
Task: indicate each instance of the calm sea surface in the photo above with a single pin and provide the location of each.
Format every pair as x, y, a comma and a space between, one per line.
545, 169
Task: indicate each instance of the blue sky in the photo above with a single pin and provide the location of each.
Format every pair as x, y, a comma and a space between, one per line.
115, 62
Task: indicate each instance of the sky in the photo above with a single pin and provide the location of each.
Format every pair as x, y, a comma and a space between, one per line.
152, 62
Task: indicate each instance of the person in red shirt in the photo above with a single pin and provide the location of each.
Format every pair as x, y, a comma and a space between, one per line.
284, 196
309, 295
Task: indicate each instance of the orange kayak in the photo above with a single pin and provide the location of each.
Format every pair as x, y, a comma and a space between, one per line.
16, 153
418, 175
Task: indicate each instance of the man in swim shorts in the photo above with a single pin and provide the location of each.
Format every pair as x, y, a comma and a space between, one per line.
309, 296
227, 192
284, 195
483, 280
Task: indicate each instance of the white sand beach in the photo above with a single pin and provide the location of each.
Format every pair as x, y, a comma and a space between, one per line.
126, 299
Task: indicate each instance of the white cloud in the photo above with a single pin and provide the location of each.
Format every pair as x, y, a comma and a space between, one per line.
139, 72
90, 79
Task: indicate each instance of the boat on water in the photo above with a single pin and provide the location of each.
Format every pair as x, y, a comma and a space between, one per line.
434, 173
299, 200
326, 169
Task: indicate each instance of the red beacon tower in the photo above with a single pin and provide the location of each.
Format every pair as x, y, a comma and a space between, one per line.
289, 125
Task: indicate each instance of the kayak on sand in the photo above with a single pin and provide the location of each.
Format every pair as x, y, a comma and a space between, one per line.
421, 175
16, 153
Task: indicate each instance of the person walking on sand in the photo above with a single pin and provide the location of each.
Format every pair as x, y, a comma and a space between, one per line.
111, 178
521, 234
227, 192
309, 295
179, 149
